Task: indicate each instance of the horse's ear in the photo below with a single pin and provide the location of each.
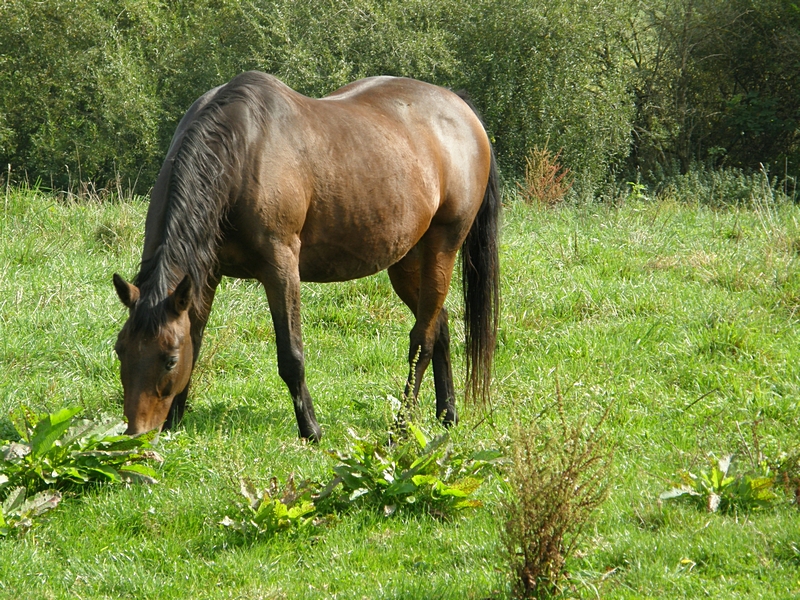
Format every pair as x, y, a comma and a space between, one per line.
127, 292
181, 298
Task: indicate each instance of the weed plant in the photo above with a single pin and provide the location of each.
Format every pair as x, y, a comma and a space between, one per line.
546, 181
559, 476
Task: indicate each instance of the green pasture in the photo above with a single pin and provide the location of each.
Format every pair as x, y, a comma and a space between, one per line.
681, 316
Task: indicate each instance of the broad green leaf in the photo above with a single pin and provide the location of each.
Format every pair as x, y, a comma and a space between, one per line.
14, 500
249, 491
357, 494
724, 464
424, 479
400, 488
350, 479
300, 510
49, 429
461, 489
15, 451
106, 472
677, 492
420, 437
138, 474
40, 503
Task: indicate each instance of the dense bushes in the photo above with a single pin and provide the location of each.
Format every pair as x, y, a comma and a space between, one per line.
715, 83
94, 90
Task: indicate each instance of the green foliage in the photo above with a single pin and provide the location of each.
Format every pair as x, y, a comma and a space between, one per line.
724, 187
93, 91
416, 470
721, 489
714, 82
419, 472
273, 510
18, 511
55, 451
547, 72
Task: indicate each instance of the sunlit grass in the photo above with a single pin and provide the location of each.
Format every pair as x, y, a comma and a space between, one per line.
684, 317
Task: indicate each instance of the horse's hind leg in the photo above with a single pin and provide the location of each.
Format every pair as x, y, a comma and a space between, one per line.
405, 277
282, 284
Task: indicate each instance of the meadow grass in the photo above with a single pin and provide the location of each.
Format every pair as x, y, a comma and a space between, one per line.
684, 317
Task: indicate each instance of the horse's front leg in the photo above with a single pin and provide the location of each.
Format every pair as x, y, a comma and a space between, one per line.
281, 280
199, 318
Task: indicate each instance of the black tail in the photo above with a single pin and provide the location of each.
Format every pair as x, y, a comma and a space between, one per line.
480, 271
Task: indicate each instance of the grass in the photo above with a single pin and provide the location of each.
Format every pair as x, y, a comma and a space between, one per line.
686, 317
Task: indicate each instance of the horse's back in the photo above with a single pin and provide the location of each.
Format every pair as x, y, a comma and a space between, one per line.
394, 156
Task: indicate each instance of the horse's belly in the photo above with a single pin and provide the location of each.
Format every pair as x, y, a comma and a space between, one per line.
344, 261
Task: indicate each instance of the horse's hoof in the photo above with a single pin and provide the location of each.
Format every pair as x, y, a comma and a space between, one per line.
314, 435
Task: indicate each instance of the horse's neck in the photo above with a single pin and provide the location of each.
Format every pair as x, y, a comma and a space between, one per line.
156, 214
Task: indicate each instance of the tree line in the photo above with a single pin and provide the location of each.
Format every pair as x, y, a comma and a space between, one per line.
92, 90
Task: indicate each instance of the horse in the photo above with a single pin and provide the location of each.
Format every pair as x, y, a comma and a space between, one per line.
261, 182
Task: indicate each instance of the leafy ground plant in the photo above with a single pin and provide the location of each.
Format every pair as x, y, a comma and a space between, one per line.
722, 489
18, 511
420, 472
417, 470
273, 509
56, 451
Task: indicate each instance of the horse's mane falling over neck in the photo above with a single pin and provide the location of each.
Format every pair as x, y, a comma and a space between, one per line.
198, 195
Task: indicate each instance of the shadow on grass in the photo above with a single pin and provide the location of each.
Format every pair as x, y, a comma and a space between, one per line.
230, 418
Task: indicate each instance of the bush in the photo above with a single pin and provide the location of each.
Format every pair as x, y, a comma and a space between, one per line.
547, 71
724, 187
89, 91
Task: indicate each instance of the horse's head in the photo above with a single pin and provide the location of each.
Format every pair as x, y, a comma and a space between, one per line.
155, 354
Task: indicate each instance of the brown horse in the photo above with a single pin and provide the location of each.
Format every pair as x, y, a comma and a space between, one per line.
261, 182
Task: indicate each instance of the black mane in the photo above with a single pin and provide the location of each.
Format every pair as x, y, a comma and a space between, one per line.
198, 196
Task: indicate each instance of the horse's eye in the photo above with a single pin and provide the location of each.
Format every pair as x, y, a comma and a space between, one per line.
171, 362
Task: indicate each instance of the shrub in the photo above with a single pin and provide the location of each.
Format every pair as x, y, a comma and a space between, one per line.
546, 181
547, 70
557, 478
92, 91
724, 187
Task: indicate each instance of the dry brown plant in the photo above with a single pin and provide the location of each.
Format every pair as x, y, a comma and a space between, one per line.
558, 477
546, 180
